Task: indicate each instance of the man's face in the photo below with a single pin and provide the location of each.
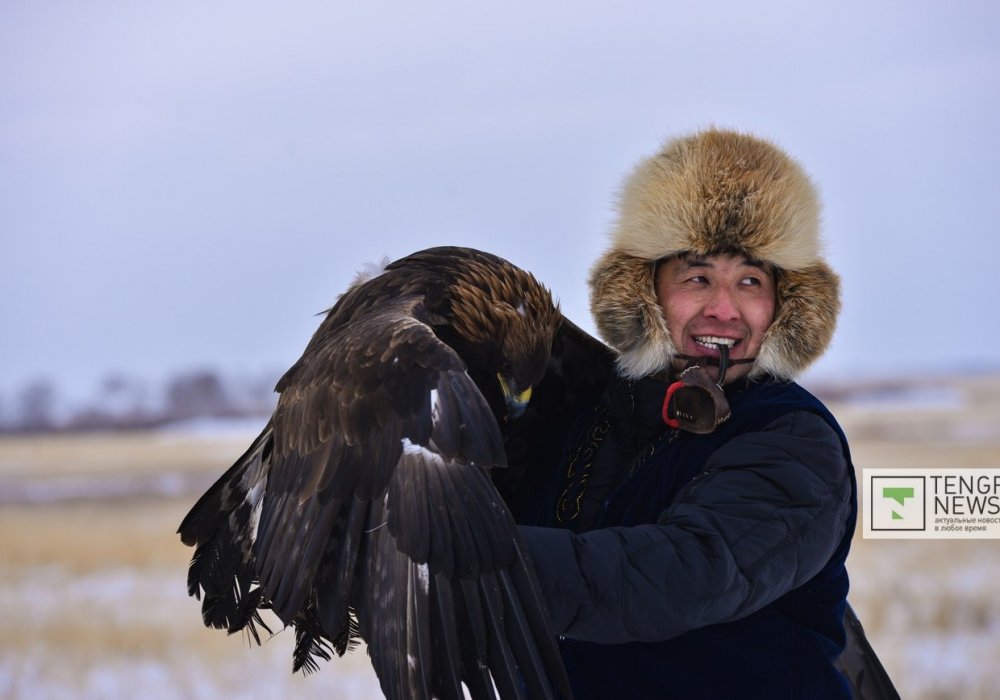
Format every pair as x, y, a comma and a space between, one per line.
716, 299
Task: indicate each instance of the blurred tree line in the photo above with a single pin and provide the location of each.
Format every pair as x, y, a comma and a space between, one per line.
124, 402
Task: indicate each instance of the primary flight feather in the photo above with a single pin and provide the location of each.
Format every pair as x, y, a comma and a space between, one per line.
366, 507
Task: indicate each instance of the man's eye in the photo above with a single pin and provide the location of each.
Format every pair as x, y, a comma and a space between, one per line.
751, 281
700, 279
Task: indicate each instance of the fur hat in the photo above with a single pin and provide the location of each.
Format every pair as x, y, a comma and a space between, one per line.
716, 192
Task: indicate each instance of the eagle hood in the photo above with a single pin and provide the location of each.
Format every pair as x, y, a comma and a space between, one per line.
716, 192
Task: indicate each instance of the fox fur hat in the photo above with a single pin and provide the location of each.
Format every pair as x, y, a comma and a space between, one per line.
716, 192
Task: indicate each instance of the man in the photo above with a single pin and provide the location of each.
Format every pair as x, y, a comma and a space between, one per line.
682, 565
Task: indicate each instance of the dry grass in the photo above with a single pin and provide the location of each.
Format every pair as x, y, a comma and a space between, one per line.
92, 536
93, 601
102, 453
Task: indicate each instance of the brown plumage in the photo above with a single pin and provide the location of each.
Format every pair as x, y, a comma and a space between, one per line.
365, 507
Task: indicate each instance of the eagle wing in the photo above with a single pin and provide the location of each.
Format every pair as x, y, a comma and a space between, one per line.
366, 506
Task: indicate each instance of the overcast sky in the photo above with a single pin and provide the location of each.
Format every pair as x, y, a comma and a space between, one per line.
186, 184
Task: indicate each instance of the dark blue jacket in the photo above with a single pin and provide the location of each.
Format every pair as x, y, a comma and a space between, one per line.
712, 565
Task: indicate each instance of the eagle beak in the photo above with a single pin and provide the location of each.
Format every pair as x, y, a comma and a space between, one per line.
516, 402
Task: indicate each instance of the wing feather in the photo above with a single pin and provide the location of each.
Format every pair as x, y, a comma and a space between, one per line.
503, 668
420, 653
335, 577
475, 628
449, 654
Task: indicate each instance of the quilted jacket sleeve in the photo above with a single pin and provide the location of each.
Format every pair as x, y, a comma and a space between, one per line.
764, 520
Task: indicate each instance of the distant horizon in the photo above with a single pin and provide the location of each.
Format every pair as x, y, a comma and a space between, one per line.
258, 386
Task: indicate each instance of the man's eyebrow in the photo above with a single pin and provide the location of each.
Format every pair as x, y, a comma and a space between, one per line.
693, 261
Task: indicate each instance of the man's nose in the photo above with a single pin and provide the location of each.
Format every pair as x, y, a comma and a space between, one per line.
722, 305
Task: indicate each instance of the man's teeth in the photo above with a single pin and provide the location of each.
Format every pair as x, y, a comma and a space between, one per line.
711, 341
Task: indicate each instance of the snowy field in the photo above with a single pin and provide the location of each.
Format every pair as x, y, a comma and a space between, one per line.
92, 576
93, 599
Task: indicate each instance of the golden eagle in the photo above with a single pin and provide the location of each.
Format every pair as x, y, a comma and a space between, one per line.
366, 506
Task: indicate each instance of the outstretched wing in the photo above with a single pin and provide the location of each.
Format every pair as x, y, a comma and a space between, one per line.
370, 494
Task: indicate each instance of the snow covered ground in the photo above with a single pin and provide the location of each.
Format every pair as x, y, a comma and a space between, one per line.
114, 629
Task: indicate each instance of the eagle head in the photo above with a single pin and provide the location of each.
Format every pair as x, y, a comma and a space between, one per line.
505, 321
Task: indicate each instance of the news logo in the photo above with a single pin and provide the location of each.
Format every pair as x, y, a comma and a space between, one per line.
898, 503
925, 503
